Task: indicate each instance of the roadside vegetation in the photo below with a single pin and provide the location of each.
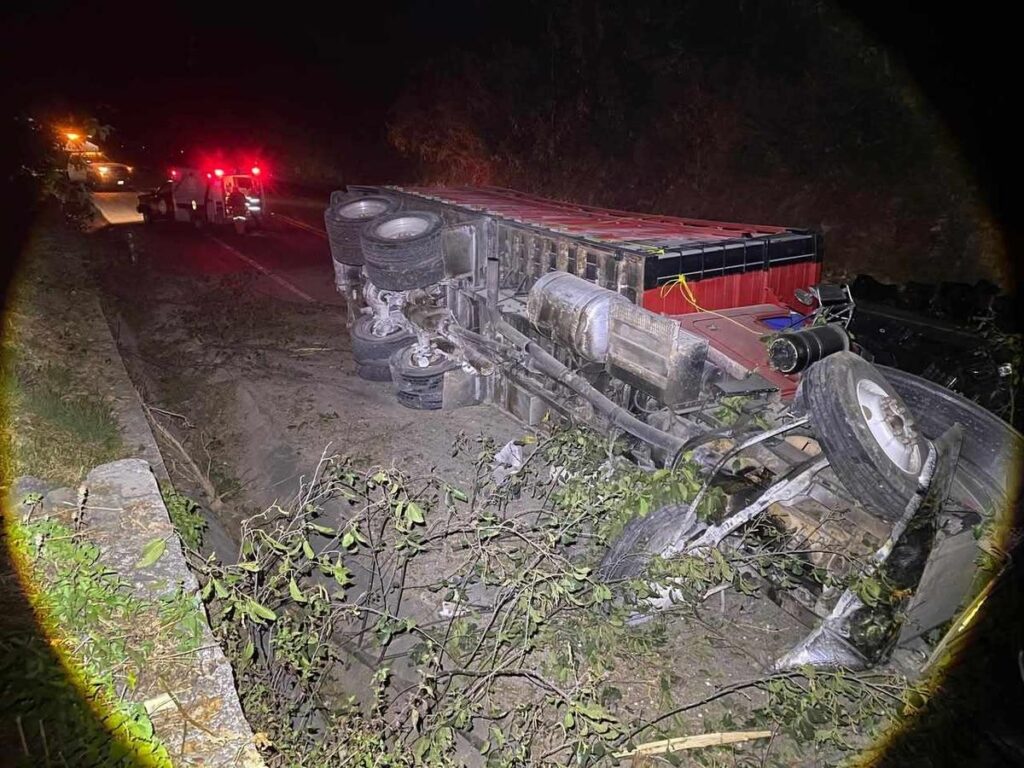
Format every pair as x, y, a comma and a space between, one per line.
107, 640
482, 626
75, 641
57, 423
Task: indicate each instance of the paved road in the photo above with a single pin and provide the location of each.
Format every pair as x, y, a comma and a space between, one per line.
289, 260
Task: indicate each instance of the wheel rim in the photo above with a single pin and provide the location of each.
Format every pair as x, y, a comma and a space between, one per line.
402, 228
389, 329
362, 209
890, 425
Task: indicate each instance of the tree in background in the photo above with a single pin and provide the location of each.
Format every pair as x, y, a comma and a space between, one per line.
731, 110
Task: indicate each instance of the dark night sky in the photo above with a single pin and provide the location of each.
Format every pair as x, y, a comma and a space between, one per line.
143, 59
215, 67
306, 62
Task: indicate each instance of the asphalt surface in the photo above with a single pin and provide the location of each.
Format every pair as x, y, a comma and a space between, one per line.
287, 260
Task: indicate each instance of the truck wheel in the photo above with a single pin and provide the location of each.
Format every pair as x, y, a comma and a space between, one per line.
415, 387
373, 353
346, 216
373, 371
992, 452
643, 539
403, 250
866, 431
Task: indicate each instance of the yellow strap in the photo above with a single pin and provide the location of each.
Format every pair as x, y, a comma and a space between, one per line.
684, 288
687, 291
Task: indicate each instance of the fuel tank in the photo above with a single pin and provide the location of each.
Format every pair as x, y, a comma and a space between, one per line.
574, 312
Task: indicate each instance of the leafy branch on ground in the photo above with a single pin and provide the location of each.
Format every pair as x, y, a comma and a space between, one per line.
479, 618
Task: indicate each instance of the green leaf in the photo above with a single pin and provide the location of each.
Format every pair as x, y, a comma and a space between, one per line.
152, 552
419, 747
413, 514
307, 549
248, 565
594, 711
602, 593
261, 611
341, 574
295, 592
219, 588
248, 651
348, 540
322, 529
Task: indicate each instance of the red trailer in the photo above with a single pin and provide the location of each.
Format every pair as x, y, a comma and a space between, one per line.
723, 264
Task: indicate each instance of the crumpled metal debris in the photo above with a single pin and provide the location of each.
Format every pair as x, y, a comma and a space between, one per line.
826, 646
507, 462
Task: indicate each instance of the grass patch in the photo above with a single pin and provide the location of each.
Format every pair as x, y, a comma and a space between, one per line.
56, 428
97, 647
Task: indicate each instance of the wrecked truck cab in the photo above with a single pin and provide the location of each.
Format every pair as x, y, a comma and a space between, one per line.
694, 340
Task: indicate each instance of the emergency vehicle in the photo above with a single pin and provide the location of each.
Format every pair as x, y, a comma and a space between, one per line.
218, 196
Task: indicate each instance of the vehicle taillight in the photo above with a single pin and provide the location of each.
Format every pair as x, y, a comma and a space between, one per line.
255, 170
218, 172
174, 173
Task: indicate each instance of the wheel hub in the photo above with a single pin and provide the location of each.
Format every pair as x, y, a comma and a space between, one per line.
890, 425
403, 228
363, 209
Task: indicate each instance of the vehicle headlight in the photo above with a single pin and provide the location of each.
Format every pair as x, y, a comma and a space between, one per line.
103, 170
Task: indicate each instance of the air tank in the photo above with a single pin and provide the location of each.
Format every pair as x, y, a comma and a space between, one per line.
795, 351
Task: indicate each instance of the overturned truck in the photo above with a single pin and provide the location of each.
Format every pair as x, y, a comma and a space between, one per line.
696, 340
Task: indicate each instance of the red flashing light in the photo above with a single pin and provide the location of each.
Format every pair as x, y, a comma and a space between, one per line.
255, 170
218, 172
174, 173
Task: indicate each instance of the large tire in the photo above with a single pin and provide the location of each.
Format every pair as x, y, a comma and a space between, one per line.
373, 371
988, 472
345, 217
643, 539
403, 250
415, 387
370, 349
866, 431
